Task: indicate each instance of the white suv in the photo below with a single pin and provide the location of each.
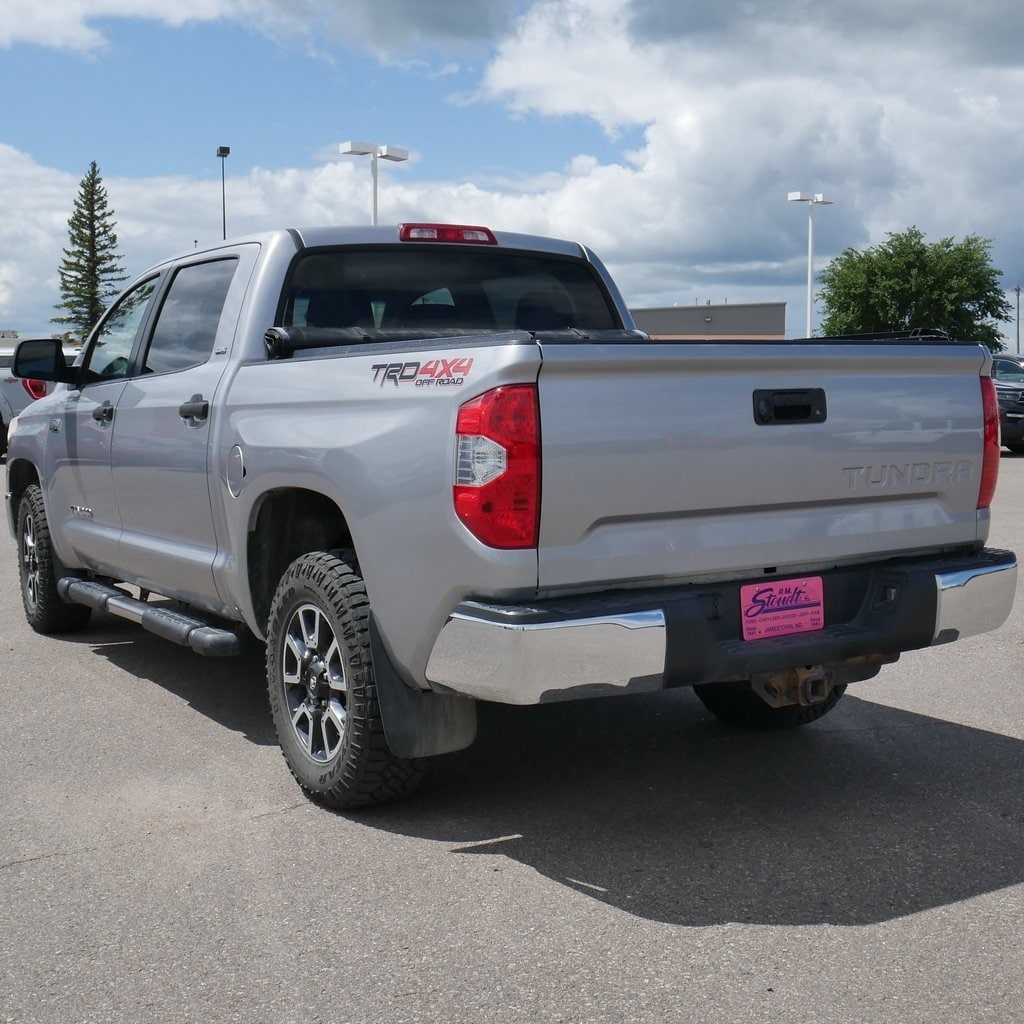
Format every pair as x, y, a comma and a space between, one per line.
15, 394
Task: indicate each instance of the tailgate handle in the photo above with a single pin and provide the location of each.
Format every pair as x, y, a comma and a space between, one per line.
791, 405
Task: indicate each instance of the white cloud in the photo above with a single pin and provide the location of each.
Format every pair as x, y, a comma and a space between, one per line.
599, 205
26, 21
908, 113
154, 219
70, 24
384, 26
575, 57
906, 124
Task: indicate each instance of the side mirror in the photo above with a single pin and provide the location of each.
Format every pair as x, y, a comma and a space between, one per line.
42, 359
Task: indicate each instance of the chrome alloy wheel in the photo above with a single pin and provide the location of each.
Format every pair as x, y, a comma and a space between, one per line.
315, 686
30, 562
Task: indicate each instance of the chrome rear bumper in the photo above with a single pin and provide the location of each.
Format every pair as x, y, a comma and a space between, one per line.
498, 654
631, 642
973, 601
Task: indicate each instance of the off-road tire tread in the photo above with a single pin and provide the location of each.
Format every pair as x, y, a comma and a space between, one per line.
372, 773
737, 705
52, 614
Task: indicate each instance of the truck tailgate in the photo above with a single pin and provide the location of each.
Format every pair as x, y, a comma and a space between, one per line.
679, 461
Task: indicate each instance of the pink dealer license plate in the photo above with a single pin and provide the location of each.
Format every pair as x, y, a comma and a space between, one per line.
782, 607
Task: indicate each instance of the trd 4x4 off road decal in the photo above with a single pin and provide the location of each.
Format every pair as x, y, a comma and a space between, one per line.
432, 373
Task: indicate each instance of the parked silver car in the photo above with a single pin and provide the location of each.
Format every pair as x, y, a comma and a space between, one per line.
15, 394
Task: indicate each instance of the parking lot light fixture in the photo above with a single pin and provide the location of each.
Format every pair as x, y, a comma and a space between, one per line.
223, 152
375, 152
1016, 288
812, 199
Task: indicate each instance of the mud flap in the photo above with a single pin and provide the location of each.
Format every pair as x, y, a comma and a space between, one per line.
418, 723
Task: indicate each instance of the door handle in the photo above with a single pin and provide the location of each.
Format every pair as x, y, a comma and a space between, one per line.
196, 408
103, 413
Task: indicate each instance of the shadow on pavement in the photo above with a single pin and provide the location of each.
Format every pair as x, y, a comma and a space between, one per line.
229, 691
651, 806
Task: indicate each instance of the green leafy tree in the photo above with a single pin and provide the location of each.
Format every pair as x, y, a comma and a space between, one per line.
906, 283
91, 270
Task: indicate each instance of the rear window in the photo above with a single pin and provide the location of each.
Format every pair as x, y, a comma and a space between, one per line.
186, 329
440, 287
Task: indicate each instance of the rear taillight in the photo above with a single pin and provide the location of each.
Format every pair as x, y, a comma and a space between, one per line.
35, 388
990, 458
497, 469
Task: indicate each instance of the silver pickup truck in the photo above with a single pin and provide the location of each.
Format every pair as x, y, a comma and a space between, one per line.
433, 465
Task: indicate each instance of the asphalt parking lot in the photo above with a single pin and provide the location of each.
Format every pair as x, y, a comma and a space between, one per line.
624, 860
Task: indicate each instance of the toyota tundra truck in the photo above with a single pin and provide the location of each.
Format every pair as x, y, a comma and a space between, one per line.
432, 465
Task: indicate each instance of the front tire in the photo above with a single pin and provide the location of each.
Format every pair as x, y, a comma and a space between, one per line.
736, 704
45, 611
321, 687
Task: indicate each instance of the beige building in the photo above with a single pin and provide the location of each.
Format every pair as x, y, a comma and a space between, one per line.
744, 321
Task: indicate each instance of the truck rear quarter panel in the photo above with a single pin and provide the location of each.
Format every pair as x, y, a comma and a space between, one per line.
382, 449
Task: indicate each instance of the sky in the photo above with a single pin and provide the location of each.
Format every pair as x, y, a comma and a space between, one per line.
665, 134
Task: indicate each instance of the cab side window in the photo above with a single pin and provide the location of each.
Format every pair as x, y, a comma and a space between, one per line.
112, 345
186, 327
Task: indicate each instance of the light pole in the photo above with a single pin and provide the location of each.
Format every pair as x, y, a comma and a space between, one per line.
374, 152
1017, 290
812, 199
223, 152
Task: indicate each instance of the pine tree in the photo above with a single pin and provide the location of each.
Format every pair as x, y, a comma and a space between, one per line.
91, 270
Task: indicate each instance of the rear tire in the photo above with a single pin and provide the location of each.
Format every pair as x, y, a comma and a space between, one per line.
321, 687
736, 704
45, 611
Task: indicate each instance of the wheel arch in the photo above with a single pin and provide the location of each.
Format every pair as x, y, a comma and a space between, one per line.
20, 475
285, 524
